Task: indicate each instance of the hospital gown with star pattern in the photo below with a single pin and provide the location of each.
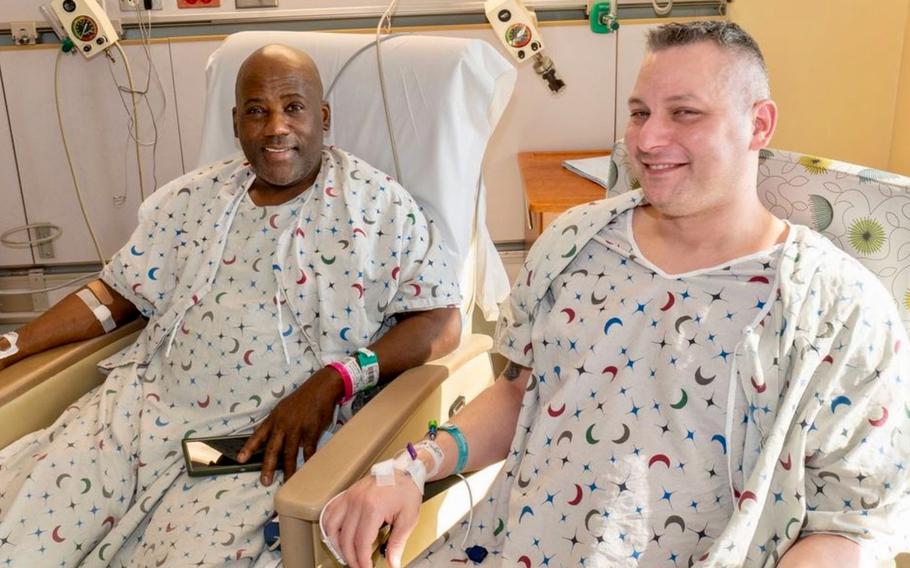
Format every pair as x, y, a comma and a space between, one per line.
633, 382
619, 457
106, 485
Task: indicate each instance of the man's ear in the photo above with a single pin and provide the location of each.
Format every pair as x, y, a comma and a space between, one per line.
326, 116
234, 121
764, 122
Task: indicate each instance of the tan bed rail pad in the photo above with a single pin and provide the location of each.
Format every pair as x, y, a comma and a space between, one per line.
32, 371
360, 442
34, 391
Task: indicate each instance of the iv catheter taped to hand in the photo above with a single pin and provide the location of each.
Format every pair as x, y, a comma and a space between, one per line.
384, 472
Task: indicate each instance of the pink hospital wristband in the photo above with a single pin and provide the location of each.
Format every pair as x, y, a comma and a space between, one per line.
345, 378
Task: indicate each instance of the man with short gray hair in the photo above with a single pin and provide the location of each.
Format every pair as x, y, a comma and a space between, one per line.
692, 381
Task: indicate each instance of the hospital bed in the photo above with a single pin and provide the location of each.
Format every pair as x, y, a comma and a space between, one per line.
445, 97
865, 212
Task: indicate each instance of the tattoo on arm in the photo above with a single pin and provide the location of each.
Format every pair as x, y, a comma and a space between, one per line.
512, 371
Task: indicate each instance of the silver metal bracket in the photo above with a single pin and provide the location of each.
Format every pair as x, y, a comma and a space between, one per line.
24, 33
36, 281
45, 249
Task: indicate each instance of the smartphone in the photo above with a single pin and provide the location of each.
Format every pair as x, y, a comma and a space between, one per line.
218, 455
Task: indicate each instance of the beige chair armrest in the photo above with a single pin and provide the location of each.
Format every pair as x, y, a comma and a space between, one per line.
34, 391
396, 415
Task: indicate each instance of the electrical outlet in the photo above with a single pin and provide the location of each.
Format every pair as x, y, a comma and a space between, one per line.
184, 4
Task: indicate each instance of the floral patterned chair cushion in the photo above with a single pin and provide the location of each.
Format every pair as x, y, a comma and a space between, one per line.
865, 212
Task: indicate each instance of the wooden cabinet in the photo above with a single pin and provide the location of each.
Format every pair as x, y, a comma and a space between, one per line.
550, 189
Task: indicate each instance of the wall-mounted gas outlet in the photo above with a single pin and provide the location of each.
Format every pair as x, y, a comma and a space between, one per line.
24, 33
131, 5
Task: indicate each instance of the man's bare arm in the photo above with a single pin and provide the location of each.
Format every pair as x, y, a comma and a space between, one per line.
820, 550
488, 423
418, 337
301, 417
67, 321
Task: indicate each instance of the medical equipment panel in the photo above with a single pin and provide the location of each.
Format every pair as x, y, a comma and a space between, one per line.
516, 27
86, 24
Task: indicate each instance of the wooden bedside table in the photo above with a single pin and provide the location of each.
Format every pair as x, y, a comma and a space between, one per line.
551, 189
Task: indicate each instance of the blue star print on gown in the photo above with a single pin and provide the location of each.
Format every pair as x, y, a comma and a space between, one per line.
244, 304
814, 364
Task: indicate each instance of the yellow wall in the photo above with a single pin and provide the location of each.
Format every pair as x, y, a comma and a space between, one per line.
835, 67
900, 148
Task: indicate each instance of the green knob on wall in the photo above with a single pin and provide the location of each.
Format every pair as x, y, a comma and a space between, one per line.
602, 22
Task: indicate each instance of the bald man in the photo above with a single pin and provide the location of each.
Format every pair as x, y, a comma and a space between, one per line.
281, 286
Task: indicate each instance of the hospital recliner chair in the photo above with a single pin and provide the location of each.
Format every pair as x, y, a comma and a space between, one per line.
445, 97
865, 212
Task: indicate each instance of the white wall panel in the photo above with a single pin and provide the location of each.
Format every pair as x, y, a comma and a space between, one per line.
96, 125
189, 59
325, 9
12, 213
11, 10
580, 117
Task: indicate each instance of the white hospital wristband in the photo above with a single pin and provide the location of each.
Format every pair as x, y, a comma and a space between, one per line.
435, 453
101, 312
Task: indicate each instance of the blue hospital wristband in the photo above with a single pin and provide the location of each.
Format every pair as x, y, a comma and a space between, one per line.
461, 443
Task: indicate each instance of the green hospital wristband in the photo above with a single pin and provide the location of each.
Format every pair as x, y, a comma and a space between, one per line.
369, 364
462, 445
